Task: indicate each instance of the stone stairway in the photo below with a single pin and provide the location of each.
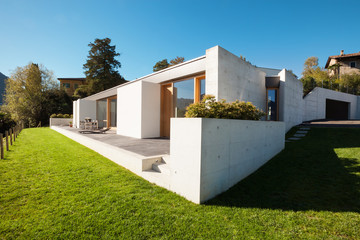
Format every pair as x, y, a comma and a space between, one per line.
299, 134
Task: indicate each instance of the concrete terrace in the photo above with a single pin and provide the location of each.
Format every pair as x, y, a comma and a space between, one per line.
148, 158
145, 147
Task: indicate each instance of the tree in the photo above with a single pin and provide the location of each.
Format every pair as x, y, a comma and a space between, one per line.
177, 60
310, 64
350, 83
160, 65
6, 122
101, 68
27, 94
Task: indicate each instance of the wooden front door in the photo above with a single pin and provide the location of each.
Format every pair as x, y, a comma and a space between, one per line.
167, 109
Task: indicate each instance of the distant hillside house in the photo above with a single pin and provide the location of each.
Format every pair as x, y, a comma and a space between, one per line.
343, 63
71, 84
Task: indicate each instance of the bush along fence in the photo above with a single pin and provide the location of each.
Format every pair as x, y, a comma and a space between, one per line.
9, 138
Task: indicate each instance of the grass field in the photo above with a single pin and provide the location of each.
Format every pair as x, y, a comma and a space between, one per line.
53, 188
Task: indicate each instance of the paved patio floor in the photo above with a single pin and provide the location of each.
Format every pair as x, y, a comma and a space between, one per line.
145, 147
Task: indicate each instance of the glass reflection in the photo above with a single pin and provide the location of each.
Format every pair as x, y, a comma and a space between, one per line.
101, 106
183, 96
272, 105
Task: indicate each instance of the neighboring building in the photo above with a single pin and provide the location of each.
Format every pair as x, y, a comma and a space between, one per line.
71, 84
343, 63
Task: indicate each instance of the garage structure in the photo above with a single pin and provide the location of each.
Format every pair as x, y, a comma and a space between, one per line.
323, 103
337, 110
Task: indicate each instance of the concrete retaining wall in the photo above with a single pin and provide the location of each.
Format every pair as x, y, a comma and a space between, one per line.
60, 121
208, 156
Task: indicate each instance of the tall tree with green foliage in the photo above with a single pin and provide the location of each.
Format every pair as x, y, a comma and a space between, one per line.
160, 65
101, 68
177, 60
29, 95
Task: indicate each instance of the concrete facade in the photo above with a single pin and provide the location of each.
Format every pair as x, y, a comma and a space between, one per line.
141, 118
291, 102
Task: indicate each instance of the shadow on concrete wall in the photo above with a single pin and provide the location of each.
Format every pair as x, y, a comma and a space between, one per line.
307, 175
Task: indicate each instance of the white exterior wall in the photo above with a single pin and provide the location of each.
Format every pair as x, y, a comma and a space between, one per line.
150, 115
84, 108
229, 77
129, 110
75, 115
290, 100
138, 110
208, 156
315, 103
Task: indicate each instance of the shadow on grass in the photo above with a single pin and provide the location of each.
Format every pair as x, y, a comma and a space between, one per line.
307, 175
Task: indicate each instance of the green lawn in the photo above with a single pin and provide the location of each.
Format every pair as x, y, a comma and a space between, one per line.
53, 188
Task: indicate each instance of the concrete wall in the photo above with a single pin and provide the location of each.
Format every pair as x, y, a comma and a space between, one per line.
75, 115
150, 115
129, 110
290, 100
229, 77
315, 103
208, 156
138, 110
84, 108
60, 121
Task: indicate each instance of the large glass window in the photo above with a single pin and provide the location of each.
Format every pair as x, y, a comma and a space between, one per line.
272, 105
101, 106
202, 88
113, 112
183, 96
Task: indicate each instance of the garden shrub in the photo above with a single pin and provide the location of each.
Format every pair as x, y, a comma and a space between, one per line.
60, 115
210, 108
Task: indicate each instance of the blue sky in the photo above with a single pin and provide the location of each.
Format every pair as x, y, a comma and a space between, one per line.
275, 34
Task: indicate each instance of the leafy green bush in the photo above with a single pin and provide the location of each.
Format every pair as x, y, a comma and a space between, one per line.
60, 115
210, 108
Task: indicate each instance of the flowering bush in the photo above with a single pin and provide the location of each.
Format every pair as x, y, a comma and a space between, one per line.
210, 108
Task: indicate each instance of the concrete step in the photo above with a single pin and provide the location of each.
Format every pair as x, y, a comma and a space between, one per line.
161, 167
166, 158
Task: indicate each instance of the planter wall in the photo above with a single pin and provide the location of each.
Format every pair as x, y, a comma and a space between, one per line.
60, 121
208, 156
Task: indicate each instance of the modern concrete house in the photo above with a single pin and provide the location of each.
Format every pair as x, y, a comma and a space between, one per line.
142, 108
343, 63
207, 156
